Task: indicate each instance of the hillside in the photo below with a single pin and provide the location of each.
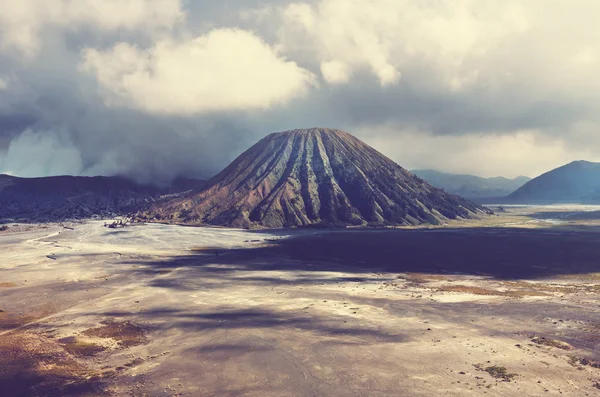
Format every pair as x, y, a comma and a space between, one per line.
576, 182
471, 186
315, 176
59, 198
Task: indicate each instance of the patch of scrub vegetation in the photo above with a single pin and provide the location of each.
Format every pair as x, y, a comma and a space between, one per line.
540, 340
80, 348
126, 334
556, 288
422, 278
585, 277
467, 289
580, 362
497, 372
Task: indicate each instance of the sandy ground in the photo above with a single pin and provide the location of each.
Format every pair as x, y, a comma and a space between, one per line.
499, 307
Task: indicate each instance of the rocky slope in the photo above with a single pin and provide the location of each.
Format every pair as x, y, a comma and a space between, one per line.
315, 176
60, 198
471, 186
576, 182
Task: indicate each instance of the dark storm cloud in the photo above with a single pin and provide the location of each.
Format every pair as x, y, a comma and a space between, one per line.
13, 124
407, 106
128, 142
118, 141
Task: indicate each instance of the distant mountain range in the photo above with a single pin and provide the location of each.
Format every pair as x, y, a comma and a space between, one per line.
471, 186
313, 177
60, 198
576, 182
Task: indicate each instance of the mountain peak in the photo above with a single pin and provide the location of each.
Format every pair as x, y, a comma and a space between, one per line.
581, 163
316, 175
311, 131
321, 133
576, 182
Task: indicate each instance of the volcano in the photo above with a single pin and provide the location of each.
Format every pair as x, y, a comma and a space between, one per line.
313, 176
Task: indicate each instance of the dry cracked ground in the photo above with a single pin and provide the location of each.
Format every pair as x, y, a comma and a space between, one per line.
505, 307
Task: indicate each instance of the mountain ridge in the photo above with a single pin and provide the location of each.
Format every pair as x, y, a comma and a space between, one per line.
471, 186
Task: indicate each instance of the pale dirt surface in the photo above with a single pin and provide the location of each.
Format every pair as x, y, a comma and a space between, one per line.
158, 310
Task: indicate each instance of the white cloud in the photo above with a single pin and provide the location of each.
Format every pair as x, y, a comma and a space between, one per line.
226, 69
336, 72
385, 36
22, 22
526, 152
41, 153
529, 51
587, 56
351, 32
3, 84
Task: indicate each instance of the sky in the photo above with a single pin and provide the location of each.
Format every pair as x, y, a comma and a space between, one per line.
155, 89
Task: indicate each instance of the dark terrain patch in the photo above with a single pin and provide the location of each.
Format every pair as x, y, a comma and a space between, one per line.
31, 365
497, 372
540, 340
126, 334
80, 348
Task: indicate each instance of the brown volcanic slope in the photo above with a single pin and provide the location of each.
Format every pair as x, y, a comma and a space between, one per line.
304, 177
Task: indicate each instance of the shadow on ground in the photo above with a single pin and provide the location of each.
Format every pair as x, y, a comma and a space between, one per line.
502, 253
300, 319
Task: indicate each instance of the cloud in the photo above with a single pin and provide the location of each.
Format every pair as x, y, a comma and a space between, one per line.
23, 22
170, 87
3, 84
524, 152
40, 153
384, 36
226, 69
336, 72
342, 31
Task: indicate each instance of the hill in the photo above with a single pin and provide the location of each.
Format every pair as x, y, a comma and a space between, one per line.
59, 198
471, 186
576, 182
314, 176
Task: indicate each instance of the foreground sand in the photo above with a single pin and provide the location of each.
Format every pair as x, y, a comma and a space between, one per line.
162, 310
